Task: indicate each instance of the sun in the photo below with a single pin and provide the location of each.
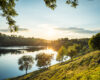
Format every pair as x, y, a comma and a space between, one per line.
50, 32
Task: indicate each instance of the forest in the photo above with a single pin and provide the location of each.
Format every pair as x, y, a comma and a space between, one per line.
13, 40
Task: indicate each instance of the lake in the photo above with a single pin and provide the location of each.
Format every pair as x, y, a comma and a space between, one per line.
9, 57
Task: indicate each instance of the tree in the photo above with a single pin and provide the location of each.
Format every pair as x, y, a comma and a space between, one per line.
25, 62
52, 3
94, 42
73, 50
43, 59
8, 11
61, 53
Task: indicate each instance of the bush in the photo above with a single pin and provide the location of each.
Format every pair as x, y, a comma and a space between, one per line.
94, 42
61, 53
73, 50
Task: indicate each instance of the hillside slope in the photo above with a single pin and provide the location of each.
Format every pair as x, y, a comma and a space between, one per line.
86, 67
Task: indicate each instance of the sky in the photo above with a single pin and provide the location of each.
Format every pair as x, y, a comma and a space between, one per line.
35, 19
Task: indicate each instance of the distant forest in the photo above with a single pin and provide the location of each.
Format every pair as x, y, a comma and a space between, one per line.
13, 40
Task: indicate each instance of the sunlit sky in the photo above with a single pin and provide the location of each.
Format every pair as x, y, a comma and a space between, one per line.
37, 20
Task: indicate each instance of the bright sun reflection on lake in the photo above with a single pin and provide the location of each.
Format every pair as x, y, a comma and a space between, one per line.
48, 51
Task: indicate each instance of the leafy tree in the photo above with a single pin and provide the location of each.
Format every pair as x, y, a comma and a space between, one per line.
77, 47
73, 50
43, 59
7, 8
25, 62
94, 42
52, 3
61, 53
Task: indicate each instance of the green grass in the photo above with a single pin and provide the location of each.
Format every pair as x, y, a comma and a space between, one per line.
86, 67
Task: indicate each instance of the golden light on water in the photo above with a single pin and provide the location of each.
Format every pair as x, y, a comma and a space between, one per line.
48, 51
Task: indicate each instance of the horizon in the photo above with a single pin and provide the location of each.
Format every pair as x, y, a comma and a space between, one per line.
63, 22
42, 38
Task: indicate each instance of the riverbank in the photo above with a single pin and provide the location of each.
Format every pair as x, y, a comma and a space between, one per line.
86, 67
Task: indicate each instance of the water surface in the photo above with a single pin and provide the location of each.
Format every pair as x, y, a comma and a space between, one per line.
9, 61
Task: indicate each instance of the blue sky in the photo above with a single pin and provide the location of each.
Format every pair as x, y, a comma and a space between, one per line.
42, 22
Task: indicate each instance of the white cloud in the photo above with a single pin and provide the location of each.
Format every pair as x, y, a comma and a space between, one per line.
78, 30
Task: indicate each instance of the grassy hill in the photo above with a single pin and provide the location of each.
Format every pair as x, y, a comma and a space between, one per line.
86, 67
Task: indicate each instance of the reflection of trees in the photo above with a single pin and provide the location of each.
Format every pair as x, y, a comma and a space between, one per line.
43, 59
8, 51
34, 48
19, 51
25, 62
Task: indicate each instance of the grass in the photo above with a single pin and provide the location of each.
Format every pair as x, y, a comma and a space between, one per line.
86, 67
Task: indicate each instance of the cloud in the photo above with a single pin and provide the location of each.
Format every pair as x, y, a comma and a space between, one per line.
7, 30
78, 30
3, 30
23, 29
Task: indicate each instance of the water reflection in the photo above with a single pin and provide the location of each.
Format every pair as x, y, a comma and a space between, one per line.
43, 60
25, 62
9, 61
8, 51
19, 50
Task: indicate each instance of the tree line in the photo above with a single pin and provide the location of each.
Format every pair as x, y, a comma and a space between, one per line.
13, 40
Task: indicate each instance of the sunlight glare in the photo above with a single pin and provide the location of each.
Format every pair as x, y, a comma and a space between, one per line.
48, 51
50, 32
